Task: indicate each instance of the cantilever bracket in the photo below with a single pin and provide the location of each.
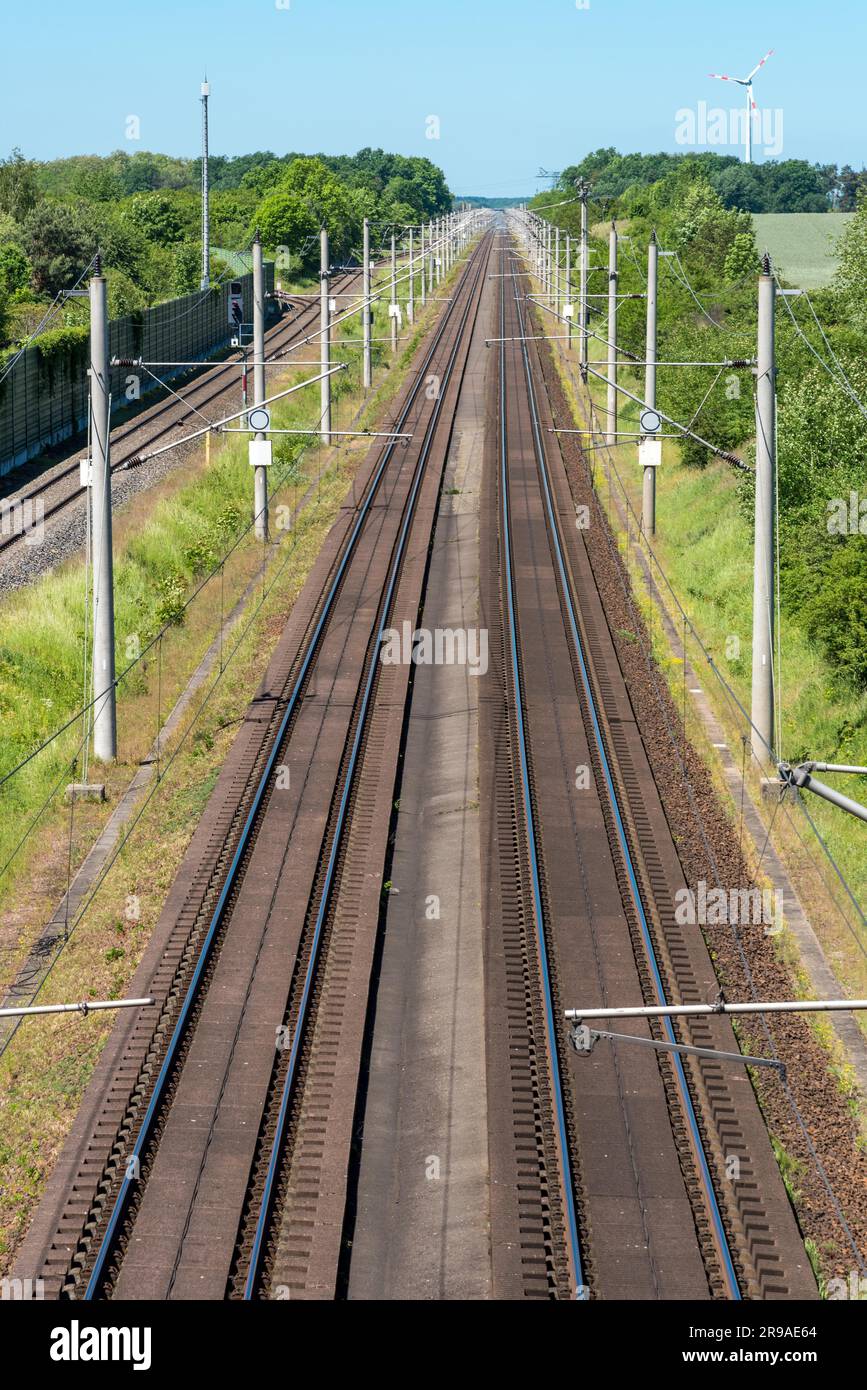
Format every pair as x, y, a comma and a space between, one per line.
801, 778
584, 1040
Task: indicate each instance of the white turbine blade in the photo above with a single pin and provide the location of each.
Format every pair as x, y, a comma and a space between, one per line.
760, 65
721, 78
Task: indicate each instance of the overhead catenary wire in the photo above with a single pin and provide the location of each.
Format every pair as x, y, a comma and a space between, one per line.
839, 376
683, 279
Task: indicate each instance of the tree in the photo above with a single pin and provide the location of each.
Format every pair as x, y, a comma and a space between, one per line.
19, 192
699, 222
851, 186
796, 186
327, 198
264, 178
850, 281
156, 216
742, 258
124, 295
187, 267
308, 196
835, 613
96, 179
15, 269
741, 186
285, 219
59, 245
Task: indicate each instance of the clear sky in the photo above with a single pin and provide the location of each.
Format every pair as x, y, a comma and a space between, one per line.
516, 84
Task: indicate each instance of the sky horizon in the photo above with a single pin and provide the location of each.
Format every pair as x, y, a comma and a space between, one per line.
491, 92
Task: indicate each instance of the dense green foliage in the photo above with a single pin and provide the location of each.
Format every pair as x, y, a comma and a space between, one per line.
472, 200
143, 212
791, 185
707, 314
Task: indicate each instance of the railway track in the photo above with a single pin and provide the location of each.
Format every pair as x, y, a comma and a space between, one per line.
624, 1174
58, 488
208, 1162
214, 1155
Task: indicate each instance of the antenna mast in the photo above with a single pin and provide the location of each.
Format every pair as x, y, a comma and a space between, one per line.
206, 216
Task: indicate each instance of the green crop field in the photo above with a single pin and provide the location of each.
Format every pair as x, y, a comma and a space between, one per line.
802, 244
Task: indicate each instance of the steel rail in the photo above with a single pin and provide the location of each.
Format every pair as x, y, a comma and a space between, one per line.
529, 816
266, 1202
567, 588
146, 1129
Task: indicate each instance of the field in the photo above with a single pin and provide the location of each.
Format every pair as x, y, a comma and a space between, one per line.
802, 244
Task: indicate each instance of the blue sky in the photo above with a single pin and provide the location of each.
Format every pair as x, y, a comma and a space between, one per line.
516, 84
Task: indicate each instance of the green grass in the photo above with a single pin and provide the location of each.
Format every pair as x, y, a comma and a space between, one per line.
802, 244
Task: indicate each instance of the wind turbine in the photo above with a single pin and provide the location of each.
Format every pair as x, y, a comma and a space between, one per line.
751, 105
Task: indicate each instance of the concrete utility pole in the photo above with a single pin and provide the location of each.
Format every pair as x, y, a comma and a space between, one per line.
423, 270
583, 342
648, 513
410, 304
260, 471
547, 262
206, 210
325, 336
550, 263
392, 302
569, 287
367, 311
558, 298
432, 231
104, 695
611, 437
766, 482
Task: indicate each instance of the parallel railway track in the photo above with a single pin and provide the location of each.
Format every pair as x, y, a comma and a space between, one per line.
58, 488
620, 1165
199, 1162
211, 1164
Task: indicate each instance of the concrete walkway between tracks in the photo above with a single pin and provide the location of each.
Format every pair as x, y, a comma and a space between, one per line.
421, 1228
